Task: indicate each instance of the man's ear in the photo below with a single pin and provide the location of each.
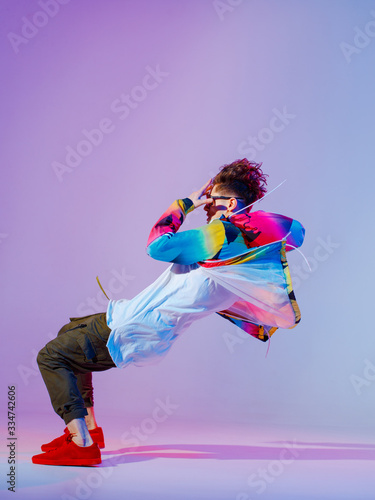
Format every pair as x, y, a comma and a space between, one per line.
233, 204
231, 207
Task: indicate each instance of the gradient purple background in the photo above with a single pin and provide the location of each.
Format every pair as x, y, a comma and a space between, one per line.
226, 75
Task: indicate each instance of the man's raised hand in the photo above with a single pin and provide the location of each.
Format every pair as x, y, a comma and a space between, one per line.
196, 196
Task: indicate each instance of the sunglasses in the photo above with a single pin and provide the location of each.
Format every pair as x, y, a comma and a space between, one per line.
223, 197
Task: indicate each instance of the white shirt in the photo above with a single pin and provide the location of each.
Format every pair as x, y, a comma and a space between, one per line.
145, 327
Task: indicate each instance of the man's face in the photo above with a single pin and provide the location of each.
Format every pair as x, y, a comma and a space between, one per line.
215, 209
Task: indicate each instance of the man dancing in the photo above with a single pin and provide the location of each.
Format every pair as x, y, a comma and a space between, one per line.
235, 266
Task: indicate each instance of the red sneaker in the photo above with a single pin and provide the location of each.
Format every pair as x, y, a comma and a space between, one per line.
70, 454
96, 435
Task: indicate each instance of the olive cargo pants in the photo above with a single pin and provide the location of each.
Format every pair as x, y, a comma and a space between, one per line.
66, 364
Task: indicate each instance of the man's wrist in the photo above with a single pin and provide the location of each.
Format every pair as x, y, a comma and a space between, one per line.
188, 205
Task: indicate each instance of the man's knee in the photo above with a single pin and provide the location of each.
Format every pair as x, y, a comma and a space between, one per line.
46, 354
42, 357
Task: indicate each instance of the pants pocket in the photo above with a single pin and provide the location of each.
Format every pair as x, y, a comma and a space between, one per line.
88, 348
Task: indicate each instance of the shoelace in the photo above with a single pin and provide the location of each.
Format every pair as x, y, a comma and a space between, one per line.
69, 437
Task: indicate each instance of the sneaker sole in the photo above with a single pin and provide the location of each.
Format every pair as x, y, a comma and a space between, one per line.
71, 462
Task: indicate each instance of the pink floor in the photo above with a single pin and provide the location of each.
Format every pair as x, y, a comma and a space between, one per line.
185, 460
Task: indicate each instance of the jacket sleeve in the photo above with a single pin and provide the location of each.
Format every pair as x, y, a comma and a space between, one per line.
187, 247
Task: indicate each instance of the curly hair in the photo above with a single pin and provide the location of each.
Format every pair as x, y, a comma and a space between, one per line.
242, 178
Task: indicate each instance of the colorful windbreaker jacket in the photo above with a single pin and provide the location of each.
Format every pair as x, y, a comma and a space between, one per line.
245, 253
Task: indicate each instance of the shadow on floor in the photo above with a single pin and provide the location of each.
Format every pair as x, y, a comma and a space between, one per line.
287, 451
